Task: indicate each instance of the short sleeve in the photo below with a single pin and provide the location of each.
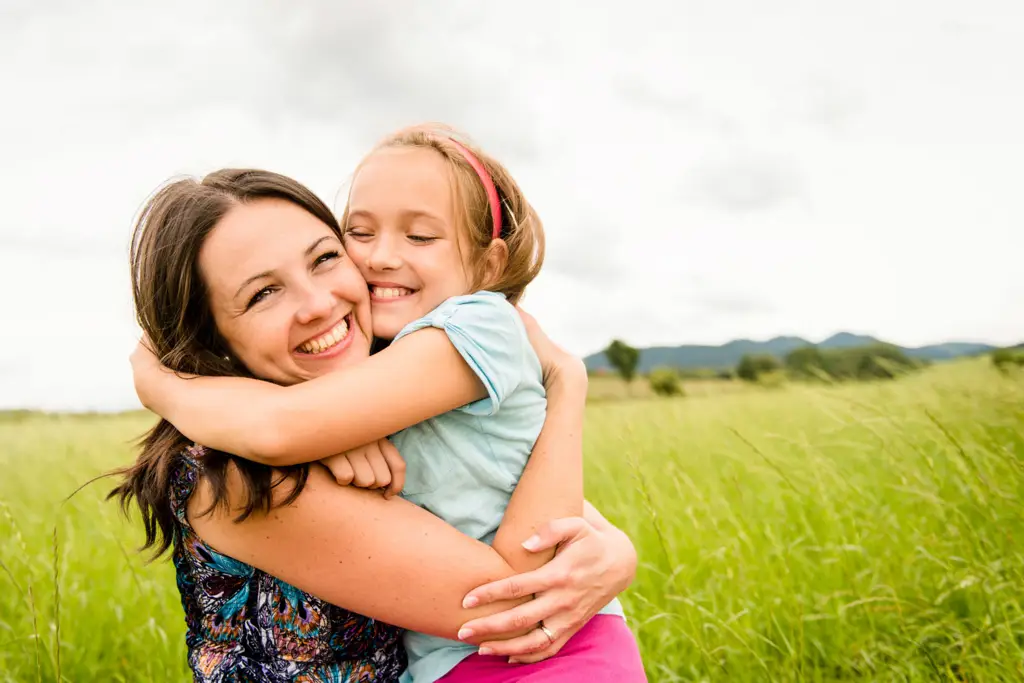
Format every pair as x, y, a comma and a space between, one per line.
487, 332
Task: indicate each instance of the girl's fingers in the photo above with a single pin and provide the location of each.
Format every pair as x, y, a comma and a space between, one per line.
379, 465
396, 465
341, 468
364, 477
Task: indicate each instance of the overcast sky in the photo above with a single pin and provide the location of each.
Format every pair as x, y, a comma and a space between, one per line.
706, 170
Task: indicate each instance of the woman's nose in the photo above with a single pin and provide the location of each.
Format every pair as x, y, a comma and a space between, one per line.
316, 303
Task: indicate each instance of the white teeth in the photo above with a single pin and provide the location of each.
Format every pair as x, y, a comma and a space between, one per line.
390, 292
326, 341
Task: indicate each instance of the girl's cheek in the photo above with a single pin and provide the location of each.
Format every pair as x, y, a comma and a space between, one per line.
356, 256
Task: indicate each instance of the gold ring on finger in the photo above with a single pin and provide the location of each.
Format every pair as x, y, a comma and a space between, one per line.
548, 633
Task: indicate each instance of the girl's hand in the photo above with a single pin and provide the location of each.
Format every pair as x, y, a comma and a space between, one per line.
376, 465
594, 563
146, 371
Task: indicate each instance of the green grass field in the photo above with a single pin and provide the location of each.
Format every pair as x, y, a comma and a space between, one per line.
863, 532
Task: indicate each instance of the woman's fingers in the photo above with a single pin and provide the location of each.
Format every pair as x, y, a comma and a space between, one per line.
534, 657
512, 588
555, 532
527, 648
550, 650
527, 615
396, 466
548, 536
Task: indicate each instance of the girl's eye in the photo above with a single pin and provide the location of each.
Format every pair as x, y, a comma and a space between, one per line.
258, 297
325, 257
357, 232
422, 239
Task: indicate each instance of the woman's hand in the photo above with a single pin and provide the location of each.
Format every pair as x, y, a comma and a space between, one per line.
594, 563
376, 465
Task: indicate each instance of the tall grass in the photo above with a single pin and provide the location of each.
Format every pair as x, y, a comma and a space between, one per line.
862, 532
867, 532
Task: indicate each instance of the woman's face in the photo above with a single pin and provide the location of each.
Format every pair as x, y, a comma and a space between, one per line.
403, 237
285, 297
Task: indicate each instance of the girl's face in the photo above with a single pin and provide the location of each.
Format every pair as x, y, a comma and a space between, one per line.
284, 296
403, 236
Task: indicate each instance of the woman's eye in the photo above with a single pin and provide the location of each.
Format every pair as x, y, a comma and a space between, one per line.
325, 257
259, 296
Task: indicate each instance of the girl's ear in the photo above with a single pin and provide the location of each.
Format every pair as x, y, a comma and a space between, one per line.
495, 261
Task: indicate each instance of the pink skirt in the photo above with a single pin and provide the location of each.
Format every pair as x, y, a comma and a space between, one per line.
603, 650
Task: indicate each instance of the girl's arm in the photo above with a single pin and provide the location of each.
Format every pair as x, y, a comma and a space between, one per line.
551, 486
418, 377
385, 559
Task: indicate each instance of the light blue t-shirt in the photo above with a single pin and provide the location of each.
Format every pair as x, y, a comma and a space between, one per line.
463, 465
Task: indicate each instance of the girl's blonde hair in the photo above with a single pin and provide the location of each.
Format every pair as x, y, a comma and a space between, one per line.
522, 232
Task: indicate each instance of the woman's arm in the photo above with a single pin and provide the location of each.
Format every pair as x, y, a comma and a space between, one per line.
418, 551
595, 562
385, 559
551, 486
285, 425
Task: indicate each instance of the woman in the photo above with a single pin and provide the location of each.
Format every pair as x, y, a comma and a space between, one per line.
290, 534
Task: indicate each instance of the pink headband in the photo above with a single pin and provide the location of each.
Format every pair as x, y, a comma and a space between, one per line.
489, 187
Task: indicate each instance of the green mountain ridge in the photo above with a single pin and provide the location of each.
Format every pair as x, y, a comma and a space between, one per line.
728, 355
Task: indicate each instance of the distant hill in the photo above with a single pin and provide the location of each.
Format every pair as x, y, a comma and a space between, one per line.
728, 355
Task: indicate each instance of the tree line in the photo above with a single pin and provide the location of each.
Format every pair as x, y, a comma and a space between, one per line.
1004, 359
873, 361
858, 363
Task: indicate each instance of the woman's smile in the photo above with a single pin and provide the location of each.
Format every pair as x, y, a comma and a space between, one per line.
327, 344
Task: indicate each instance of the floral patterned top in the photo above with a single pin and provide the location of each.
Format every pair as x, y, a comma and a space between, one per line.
245, 625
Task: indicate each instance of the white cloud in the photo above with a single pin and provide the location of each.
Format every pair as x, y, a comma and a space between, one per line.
704, 170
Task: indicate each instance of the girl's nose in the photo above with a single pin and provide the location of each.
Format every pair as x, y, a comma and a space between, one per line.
383, 255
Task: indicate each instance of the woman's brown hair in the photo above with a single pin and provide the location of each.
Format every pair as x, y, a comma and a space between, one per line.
522, 237
173, 310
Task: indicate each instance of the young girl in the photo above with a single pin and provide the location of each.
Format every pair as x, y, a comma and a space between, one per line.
447, 244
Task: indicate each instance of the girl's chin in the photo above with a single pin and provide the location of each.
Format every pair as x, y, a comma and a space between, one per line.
386, 335
387, 325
